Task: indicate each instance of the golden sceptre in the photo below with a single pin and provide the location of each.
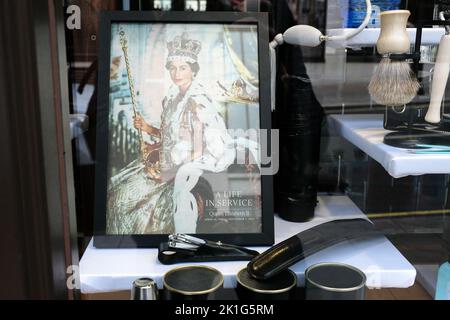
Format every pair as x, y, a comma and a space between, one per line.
124, 45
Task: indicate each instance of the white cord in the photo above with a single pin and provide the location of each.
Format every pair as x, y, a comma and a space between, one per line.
356, 31
278, 40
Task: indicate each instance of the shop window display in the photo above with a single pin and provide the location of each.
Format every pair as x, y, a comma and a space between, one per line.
355, 146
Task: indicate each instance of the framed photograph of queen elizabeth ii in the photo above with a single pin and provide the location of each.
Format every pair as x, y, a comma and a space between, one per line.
183, 98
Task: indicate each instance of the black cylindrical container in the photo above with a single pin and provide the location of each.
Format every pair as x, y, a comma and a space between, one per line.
334, 281
280, 287
300, 130
192, 283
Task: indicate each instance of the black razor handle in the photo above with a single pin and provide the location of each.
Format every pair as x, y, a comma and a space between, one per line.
288, 252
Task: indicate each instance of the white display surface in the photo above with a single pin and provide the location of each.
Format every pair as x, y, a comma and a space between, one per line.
366, 132
369, 36
109, 270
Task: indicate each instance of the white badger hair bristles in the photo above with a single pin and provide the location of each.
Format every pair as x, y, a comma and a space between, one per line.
393, 83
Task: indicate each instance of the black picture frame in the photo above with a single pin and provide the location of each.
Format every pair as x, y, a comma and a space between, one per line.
103, 240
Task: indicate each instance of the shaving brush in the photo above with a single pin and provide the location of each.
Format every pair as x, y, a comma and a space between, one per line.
393, 83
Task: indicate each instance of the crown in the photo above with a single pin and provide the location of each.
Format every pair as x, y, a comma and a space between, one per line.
184, 48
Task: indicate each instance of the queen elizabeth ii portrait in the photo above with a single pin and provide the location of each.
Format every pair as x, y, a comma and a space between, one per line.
176, 90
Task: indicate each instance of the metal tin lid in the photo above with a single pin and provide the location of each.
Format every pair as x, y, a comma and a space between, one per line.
337, 277
193, 280
282, 282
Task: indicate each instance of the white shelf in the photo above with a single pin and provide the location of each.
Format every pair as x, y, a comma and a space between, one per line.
369, 36
109, 270
366, 132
